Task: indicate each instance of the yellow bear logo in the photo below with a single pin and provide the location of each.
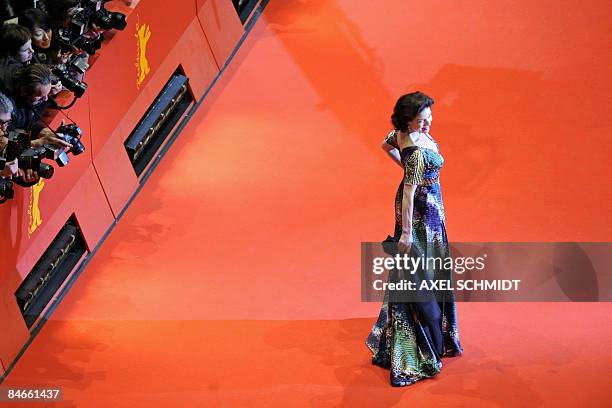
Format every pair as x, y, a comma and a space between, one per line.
143, 34
33, 209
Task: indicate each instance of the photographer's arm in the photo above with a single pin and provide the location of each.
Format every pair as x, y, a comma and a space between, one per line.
46, 136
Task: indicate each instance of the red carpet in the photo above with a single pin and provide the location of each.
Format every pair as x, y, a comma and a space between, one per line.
233, 278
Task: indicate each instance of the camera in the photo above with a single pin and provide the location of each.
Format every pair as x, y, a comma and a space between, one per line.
6, 189
17, 140
79, 23
103, 18
75, 86
71, 133
78, 63
56, 154
89, 45
18, 147
6, 186
93, 12
31, 159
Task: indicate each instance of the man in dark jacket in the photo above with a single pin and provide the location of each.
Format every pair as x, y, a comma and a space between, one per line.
30, 91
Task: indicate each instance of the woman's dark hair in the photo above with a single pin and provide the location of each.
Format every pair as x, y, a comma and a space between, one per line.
12, 38
408, 107
34, 18
30, 76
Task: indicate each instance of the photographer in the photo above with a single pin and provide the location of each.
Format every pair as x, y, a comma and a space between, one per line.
6, 115
80, 25
60, 12
36, 21
10, 169
30, 90
16, 50
6, 169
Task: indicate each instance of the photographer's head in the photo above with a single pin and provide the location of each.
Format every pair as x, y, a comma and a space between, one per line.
61, 11
35, 20
33, 83
6, 113
16, 42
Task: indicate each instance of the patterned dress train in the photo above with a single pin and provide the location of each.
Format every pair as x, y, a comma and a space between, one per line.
410, 338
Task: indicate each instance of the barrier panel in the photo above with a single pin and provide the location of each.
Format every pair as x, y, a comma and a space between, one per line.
125, 81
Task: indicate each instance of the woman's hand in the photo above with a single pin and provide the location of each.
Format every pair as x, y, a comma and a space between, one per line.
405, 242
393, 152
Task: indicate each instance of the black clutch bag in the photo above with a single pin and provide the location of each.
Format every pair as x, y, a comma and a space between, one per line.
390, 247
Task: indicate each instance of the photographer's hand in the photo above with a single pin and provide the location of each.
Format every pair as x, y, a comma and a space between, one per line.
11, 169
95, 30
28, 176
64, 56
6, 171
46, 136
56, 88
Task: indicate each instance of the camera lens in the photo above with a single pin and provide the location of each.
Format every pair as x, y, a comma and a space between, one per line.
77, 147
118, 21
45, 171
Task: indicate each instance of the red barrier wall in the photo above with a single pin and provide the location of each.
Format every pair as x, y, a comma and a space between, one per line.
125, 77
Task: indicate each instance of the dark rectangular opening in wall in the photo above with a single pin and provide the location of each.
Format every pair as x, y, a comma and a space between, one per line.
164, 113
50, 272
244, 8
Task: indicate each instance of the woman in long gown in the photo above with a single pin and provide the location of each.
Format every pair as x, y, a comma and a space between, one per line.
410, 338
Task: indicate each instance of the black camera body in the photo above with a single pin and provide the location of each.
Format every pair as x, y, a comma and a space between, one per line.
6, 189
106, 20
79, 24
89, 45
57, 154
31, 159
6, 186
75, 86
18, 140
92, 12
71, 133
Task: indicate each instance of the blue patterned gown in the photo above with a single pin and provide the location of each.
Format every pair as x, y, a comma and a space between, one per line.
411, 338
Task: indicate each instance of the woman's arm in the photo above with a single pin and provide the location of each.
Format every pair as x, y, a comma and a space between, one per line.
407, 206
393, 152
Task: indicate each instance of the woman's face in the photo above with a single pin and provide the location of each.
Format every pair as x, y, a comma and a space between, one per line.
41, 38
422, 122
25, 53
